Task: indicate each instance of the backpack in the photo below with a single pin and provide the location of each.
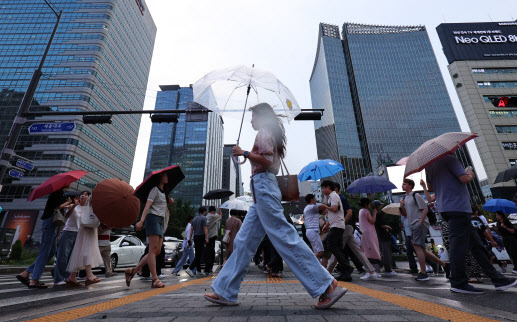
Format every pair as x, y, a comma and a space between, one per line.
430, 212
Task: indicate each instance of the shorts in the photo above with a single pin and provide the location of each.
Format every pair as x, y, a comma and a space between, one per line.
153, 225
419, 234
313, 235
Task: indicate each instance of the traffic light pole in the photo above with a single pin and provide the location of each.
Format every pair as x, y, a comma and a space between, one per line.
14, 133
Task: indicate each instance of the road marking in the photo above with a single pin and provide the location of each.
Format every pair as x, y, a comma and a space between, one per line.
96, 308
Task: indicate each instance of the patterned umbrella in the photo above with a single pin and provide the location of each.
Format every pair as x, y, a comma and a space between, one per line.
402, 161
392, 209
435, 149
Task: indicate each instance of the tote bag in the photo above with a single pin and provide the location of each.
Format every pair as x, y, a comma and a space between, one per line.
88, 218
288, 185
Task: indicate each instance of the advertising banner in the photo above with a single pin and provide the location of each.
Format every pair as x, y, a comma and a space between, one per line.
23, 221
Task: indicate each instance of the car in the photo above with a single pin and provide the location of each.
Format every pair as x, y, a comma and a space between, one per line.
126, 251
172, 251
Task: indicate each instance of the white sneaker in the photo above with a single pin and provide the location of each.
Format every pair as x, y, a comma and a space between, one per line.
377, 275
190, 273
60, 283
367, 276
161, 276
390, 274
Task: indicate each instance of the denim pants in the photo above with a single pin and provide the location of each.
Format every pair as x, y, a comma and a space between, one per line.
47, 249
410, 252
266, 216
66, 245
462, 238
187, 253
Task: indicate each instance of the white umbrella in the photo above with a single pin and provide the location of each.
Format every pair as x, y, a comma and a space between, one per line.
235, 204
392, 209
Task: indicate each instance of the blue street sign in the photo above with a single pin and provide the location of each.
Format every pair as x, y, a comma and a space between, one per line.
24, 164
51, 128
16, 174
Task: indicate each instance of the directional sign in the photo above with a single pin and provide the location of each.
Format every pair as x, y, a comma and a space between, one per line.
16, 174
24, 164
51, 128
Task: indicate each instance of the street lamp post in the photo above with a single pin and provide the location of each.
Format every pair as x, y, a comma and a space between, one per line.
19, 120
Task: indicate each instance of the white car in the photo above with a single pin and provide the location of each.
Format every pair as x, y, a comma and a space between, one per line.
126, 251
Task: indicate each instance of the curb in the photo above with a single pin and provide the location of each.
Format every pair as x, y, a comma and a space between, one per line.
18, 269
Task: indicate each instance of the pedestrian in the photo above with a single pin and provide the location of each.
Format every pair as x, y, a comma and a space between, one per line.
232, 227
266, 215
408, 243
156, 218
86, 254
104, 234
145, 273
47, 250
442, 254
448, 179
369, 239
509, 235
200, 240
212, 220
311, 217
188, 248
416, 210
67, 240
384, 235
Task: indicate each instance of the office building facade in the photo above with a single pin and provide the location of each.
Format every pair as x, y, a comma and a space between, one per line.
383, 96
482, 61
99, 60
196, 146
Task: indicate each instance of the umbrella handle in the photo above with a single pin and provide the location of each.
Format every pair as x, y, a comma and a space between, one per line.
236, 160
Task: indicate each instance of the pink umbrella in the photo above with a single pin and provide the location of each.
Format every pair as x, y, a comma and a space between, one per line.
402, 161
55, 183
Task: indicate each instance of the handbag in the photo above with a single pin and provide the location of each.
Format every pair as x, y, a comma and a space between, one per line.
58, 219
226, 238
288, 185
88, 218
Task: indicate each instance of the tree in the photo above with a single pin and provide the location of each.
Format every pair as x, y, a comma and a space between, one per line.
179, 213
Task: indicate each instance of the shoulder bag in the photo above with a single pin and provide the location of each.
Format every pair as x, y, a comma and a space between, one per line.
288, 185
88, 218
58, 219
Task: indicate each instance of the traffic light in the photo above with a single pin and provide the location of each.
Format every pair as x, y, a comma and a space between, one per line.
164, 118
96, 119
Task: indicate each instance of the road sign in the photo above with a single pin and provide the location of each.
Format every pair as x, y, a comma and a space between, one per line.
37, 128
24, 164
16, 174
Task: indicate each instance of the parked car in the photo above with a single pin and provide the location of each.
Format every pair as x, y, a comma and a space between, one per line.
172, 251
126, 251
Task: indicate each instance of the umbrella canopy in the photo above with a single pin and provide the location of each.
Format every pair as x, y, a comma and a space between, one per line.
174, 174
506, 206
435, 149
115, 204
55, 183
320, 169
218, 194
402, 161
392, 209
370, 184
506, 175
235, 204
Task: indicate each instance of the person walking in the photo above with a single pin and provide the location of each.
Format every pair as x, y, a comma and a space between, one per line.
212, 220
448, 179
266, 215
509, 235
384, 235
104, 233
311, 217
145, 273
408, 243
85, 254
47, 250
188, 248
416, 210
200, 240
156, 218
369, 239
232, 227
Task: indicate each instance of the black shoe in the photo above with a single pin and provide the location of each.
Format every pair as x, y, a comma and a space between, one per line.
422, 277
344, 278
467, 289
348, 271
447, 270
506, 284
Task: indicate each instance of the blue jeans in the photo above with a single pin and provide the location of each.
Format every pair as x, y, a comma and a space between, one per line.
66, 245
187, 253
47, 249
266, 216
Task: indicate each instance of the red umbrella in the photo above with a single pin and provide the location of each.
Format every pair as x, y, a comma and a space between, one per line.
173, 172
55, 183
114, 204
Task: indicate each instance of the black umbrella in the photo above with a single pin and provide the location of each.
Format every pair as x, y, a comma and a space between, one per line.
506, 175
218, 194
173, 172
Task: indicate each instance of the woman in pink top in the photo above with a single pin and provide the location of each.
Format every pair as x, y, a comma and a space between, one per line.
369, 240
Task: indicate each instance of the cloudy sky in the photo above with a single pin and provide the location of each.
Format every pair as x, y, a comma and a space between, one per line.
195, 37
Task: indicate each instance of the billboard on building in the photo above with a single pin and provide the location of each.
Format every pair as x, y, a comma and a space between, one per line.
478, 41
23, 221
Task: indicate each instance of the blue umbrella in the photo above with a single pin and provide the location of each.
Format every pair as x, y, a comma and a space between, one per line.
370, 184
506, 206
320, 169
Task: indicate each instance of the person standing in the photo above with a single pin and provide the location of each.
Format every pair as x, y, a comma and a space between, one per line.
55, 201
266, 215
311, 217
384, 234
509, 235
188, 249
200, 240
104, 233
369, 239
232, 227
447, 178
212, 220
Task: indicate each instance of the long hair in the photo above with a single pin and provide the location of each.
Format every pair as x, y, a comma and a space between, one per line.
273, 124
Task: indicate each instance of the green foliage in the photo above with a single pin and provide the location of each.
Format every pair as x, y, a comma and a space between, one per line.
179, 213
28, 256
16, 250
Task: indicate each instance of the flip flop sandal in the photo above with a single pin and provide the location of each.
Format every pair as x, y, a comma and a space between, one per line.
130, 272
220, 300
38, 285
157, 284
24, 280
334, 297
70, 283
93, 281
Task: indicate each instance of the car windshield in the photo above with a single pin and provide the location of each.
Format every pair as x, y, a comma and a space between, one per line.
114, 238
170, 245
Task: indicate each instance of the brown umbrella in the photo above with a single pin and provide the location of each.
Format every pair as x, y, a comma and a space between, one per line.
115, 204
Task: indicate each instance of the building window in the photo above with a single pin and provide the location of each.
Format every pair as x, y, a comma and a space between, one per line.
494, 71
503, 113
506, 129
497, 84
501, 101
510, 145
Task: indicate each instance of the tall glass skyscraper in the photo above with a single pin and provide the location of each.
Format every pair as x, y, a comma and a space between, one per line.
99, 60
197, 147
382, 92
